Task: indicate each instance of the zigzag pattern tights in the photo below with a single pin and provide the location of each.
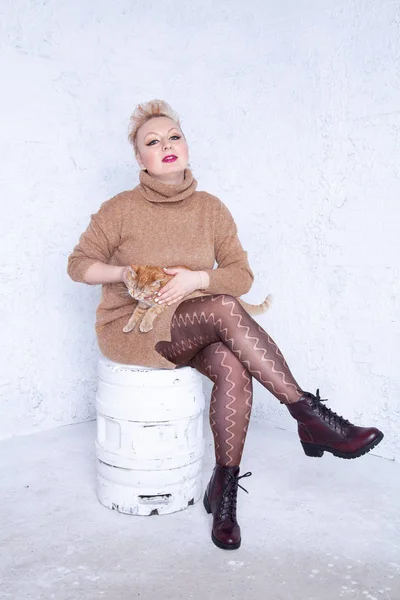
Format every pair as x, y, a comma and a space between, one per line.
216, 336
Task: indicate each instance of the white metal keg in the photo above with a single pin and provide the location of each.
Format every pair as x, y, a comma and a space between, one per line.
150, 441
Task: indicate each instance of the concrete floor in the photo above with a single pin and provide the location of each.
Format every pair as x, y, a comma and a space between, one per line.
312, 529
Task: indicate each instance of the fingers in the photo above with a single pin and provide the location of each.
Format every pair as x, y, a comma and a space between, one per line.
166, 289
170, 300
169, 297
177, 288
170, 286
169, 290
172, 270
173, 300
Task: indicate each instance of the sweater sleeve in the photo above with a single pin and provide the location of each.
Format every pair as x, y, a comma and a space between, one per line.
98, 243
233, 275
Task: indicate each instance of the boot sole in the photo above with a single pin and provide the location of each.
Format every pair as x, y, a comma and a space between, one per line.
317, 451
214, 539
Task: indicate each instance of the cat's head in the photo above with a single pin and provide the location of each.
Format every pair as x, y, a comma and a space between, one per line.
144, 281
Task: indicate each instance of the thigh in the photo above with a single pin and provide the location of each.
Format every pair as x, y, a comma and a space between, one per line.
197, 323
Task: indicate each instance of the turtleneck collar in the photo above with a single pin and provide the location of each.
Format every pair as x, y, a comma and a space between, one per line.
155, 191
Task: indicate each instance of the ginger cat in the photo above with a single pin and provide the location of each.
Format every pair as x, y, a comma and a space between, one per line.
144, 281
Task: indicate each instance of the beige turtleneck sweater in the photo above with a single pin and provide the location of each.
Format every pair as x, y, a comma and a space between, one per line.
163, 225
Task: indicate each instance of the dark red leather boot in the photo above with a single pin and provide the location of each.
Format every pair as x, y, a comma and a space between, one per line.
321, 430
220, 500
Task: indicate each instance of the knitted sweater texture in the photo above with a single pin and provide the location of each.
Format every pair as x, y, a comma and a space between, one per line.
163, 225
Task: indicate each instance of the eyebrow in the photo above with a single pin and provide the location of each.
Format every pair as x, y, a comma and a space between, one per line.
154, 133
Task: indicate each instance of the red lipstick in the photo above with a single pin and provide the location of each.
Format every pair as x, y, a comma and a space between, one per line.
170, 158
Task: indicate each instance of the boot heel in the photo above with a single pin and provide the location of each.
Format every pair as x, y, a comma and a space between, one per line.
207, 504
312, 450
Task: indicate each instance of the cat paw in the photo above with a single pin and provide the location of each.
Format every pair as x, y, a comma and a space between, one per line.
145, 327
127, 328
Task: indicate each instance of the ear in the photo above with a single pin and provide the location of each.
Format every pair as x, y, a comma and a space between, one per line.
159, 281
139, 161
133, 270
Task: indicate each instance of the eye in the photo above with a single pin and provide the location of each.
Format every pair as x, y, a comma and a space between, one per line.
152, 143
176, 137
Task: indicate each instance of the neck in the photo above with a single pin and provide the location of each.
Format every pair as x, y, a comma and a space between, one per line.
172, 179
172, 189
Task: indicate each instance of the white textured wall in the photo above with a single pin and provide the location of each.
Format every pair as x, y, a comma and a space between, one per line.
292, 114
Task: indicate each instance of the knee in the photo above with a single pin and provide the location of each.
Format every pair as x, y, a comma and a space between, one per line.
228, 303
227, 299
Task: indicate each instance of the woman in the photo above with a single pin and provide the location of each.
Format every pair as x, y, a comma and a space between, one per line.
164, 221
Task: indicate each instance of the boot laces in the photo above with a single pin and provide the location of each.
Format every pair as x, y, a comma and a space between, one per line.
327, 414
229, 495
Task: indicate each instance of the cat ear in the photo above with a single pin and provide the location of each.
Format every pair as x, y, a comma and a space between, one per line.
158, 281
133, 270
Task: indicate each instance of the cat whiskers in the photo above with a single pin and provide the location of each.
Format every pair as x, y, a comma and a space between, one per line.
124, 293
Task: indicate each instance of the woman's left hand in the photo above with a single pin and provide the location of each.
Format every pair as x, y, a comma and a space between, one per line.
182, 284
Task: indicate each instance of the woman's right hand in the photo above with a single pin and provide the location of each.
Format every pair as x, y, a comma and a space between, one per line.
124, 274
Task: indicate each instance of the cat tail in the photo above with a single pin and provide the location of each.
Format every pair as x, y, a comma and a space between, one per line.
257, 309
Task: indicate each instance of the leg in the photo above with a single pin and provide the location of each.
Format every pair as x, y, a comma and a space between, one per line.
231, 400
199, 322
230, 409
134, 320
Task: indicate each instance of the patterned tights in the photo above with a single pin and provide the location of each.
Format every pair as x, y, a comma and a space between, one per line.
216, 336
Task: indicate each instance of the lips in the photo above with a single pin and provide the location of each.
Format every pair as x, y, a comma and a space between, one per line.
170, 158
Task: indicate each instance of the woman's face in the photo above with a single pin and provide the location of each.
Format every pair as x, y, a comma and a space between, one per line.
162, 149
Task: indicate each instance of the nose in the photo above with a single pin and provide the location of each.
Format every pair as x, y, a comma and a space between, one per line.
167, 144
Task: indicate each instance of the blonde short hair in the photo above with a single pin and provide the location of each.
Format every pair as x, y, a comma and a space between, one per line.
146, 111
